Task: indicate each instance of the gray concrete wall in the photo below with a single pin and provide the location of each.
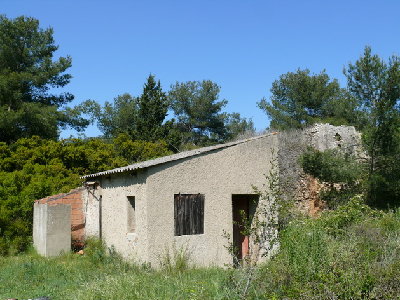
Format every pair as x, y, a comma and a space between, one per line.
114, 214
326, 136
52, 229
91, 204
217, 175
40, 227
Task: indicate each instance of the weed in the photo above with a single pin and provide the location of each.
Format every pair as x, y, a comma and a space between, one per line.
177, 261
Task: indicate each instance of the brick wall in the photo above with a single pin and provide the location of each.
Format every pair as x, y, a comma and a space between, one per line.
74, 198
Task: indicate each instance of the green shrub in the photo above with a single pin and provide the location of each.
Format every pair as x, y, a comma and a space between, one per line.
350, 253
331, 165
340, 171
337, 221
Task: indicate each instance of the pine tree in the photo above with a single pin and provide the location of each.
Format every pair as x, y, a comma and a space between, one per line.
152, 110
28, 79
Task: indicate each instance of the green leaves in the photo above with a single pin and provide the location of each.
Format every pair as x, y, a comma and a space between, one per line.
152, 110
300, 99
199, 117
375, 84
142, 118
331, 166
197, 108
28, 77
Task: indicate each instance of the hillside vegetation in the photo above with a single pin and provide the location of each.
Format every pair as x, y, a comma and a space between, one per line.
350, 253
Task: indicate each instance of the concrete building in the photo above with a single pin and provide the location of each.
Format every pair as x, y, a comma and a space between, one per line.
193, 200
187, 201
190, 200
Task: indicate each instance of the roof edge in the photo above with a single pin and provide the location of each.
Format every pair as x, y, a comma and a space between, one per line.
173, 157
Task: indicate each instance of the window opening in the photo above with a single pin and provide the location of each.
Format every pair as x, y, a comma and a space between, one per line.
131, 214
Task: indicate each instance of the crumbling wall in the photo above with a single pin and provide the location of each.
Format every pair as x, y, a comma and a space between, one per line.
299, 187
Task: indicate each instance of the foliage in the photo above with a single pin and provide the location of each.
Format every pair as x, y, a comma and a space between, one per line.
82, 277
28, 75
142, 118
117, 117
331, 165
337, 221
301, 99
349, 253
341, 172
197, 107
152, 110
176, 259
200, 120
34, 168
375, 85
135, 151
237, 127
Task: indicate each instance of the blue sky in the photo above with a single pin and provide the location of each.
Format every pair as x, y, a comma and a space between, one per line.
241, 45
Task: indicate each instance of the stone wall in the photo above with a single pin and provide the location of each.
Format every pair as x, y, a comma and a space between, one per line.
297, 185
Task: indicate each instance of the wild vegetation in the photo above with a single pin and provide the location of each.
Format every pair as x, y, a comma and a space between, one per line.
352, 251
349, 253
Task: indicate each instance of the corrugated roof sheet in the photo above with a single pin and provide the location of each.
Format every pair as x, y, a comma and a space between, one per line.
165, 159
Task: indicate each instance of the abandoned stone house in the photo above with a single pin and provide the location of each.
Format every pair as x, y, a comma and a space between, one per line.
188, 200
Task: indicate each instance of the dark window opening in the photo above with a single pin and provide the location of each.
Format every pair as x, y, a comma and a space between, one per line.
131, 214
189, 214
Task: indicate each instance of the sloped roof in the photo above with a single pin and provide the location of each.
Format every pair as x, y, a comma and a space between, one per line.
173, 157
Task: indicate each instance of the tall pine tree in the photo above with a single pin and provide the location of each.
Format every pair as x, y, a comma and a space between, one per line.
375, 84
152, 110
29, 75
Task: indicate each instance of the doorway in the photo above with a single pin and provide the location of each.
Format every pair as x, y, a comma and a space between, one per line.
243, 208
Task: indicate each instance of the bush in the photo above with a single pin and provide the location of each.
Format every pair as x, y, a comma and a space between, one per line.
331, 166
350, 253
339, 171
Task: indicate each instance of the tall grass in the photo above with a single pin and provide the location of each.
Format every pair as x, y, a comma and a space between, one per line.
350, 253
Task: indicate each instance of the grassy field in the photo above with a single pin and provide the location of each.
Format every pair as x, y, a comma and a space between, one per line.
88, 277
350, 253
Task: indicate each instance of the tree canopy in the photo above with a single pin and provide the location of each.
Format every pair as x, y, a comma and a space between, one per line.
116, 117
152, 110
300, 99
237, 126
375, 84
28, 77
142, 118
198, 110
